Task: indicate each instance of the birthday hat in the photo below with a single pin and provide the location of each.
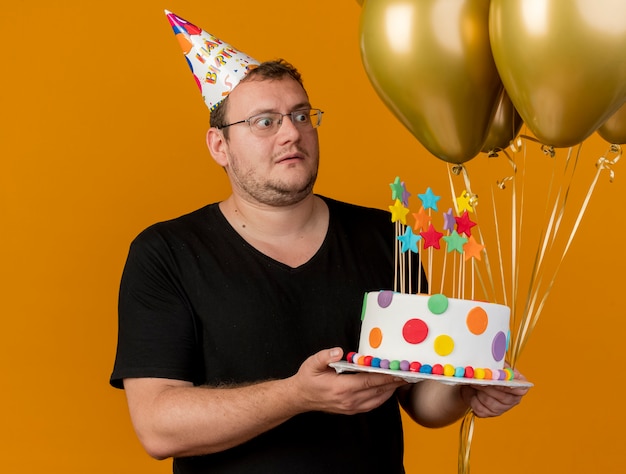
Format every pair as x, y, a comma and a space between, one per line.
216, 66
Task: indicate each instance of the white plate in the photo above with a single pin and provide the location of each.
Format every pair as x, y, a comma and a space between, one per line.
414, 377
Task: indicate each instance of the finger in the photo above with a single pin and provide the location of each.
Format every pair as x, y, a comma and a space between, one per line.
517, 375
377, 385
325, 357
492, 401
367, 391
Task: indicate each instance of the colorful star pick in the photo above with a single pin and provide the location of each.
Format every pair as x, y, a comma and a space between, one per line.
405, 195
455, 242
431, 237
421, 219
463, 202
397, 189
429, 200
448, 220
398, 212
464, 224
409, 240
472, 249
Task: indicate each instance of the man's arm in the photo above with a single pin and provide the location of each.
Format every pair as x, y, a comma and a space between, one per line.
434, 404
174, 418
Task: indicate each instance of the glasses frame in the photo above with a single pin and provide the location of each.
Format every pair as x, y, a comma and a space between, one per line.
312, 123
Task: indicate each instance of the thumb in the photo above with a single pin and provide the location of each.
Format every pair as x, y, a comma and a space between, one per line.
335, 354
319, 361
327, 356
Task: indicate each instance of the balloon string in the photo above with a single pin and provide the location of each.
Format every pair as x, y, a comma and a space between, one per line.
502, 185
533, 308
517, 231
544, 239
490, 292
535, 305
603, 164
465, 444
456, 211
499, 249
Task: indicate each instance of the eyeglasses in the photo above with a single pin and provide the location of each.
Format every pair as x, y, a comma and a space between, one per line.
268, 123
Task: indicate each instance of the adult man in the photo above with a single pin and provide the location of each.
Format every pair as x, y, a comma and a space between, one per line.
229, 316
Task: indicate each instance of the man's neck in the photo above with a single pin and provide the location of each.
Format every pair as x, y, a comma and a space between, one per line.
290, 234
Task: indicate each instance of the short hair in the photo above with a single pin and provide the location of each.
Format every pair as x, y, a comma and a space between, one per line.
268, 70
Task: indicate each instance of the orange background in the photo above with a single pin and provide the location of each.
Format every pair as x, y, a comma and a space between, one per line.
102, 133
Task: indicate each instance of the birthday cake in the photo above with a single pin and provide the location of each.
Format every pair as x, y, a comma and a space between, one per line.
434, 334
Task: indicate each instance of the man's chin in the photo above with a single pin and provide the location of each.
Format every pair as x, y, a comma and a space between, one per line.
287, 196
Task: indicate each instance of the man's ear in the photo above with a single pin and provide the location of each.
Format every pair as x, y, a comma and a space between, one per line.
216, 143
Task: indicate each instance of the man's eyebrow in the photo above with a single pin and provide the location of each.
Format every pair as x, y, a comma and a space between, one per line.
303, 105
300, 106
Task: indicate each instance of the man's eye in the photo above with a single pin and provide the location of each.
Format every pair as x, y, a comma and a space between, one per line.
264, 122
301, 117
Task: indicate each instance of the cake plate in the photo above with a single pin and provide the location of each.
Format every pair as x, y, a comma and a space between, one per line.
414, 377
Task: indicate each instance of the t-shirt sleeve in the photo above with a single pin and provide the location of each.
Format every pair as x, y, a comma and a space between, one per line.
156, 330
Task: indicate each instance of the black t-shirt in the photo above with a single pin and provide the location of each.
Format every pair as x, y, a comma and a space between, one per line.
198, 303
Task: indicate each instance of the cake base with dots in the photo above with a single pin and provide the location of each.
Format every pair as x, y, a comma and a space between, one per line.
434, 334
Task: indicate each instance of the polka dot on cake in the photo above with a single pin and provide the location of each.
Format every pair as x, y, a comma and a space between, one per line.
498, 346
415, 331
385, 298
426, 369
438, 304
477, 320
444, 345
376, 337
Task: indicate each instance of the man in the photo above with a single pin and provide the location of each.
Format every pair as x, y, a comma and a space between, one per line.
230, 315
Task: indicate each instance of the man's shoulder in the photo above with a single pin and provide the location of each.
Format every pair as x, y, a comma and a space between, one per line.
351, 208
180, 225
349, 212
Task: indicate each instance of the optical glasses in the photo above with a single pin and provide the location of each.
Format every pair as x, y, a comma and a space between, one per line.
268, 123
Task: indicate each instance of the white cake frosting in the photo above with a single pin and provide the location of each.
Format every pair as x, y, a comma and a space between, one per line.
433, 330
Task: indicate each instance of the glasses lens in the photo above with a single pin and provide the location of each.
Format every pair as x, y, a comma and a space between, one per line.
307, 118
316, 117
265, 124
268, 123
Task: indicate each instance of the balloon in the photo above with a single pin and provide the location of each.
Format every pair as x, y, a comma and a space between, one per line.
562, 62
614, 129
504, 127
430, 62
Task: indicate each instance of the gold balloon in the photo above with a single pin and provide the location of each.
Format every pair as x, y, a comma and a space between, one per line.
430, 62
504, 127
562, 62
614, 129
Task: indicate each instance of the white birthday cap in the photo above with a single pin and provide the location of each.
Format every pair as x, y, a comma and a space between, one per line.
216, 66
